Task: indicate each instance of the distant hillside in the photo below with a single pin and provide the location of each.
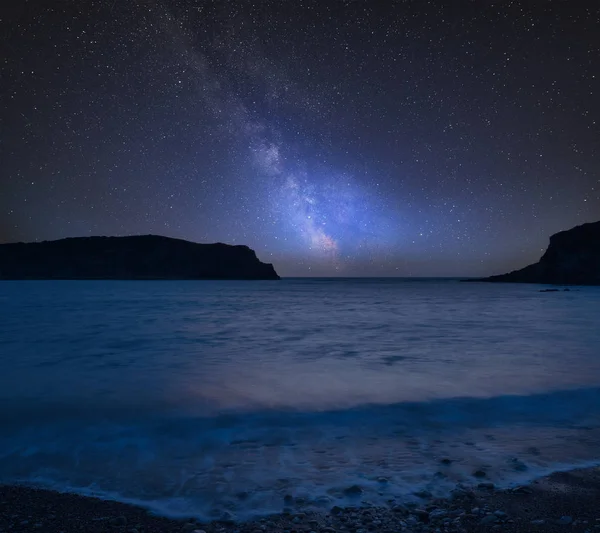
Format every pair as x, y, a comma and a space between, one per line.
138, 257
572, 258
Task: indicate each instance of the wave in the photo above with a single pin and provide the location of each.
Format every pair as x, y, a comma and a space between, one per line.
246, 462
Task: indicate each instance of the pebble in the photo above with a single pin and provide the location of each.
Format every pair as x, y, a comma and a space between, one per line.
565, 520
519, 465
400, 509
479, 473
424, 494
459, 493
353, 490
489, 519
521, 490
488, 485
118, 521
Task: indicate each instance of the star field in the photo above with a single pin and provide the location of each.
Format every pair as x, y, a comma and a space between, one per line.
346, 138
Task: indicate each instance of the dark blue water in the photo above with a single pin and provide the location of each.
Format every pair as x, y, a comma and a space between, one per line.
200, 398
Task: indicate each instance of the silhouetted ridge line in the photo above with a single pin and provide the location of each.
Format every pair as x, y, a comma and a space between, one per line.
134, 257
572, 258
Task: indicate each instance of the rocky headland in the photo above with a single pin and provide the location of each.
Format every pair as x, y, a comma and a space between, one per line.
128, 258
572, 258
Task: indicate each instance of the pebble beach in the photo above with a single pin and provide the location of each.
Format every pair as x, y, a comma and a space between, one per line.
564, 501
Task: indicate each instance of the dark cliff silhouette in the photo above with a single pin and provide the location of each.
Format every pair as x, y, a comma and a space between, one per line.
138, 257
572, 258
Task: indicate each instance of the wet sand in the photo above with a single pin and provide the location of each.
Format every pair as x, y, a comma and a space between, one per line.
564, 501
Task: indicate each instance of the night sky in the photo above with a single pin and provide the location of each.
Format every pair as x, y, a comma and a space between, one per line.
350, 138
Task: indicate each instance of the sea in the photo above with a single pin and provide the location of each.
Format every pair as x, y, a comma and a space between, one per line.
231, 399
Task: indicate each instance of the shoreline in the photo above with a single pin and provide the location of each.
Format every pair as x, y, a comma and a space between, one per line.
562, 501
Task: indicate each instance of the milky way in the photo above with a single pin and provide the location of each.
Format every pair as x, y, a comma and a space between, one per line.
331, 218
335, 138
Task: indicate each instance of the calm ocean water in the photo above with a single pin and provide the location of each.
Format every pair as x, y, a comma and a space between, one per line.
222, 398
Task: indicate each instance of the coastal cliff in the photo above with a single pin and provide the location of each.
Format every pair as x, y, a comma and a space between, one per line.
572, 258
136, 257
